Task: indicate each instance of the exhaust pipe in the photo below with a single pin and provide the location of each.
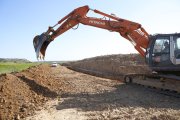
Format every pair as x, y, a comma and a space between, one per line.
41, 43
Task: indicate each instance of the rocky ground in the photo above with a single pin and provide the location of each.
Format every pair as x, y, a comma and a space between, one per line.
92, 97
59, 93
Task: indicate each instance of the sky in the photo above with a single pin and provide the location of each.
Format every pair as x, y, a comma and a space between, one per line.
22, 20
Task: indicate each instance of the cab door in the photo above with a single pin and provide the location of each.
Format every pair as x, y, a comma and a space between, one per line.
161, 51
175, 50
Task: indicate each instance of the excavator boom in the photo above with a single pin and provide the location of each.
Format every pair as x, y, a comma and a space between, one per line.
151, 47
129, 30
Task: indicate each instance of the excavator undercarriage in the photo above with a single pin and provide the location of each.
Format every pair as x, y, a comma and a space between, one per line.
154, 80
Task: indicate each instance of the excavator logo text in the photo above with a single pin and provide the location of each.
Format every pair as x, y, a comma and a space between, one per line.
96, 22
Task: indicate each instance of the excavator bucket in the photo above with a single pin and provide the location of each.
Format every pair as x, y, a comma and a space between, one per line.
40, 43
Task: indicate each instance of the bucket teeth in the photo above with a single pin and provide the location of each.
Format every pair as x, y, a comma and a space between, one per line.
39, 56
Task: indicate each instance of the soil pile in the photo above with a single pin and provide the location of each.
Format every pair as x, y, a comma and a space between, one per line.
78, 96
111, 66
95, 98
22, 93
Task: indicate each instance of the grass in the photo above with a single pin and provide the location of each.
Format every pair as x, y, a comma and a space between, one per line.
8, 67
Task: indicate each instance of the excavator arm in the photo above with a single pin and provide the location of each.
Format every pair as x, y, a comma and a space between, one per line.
129, 30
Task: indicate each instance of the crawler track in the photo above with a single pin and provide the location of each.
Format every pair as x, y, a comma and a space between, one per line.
160, 83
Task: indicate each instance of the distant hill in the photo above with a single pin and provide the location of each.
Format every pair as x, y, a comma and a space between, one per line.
16, 60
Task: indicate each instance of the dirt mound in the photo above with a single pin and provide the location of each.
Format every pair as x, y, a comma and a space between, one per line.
22, 93
95, 98
78, 95
111, 66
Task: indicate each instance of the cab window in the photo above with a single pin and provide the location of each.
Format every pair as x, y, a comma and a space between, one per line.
161, 46
161, 51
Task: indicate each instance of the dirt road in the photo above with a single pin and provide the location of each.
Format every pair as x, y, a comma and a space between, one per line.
80, 96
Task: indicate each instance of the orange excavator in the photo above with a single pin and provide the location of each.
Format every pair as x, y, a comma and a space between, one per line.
161, 51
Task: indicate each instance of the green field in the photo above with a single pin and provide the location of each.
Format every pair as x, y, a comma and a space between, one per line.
8, 67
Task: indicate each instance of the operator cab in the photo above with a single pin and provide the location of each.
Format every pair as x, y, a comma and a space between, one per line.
163, 53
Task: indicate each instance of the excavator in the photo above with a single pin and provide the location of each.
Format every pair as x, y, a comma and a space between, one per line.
161, 51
